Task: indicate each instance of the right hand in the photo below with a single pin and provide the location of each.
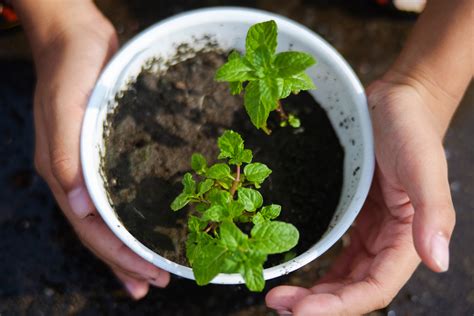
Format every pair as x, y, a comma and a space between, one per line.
408, 214
67, 68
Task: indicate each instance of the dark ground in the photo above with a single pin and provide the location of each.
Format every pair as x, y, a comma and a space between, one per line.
44, 270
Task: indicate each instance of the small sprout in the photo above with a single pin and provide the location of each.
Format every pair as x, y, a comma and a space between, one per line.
294, 121
199, 164
266, 76
223, 199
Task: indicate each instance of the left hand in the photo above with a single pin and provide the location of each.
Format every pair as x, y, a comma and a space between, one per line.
71, 42
409, 206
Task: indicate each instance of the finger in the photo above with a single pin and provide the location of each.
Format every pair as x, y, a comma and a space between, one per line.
99, 238
135, 287
41, 159
357, 293
70, 83
372, 293
355, 299
327, 287
96, 236
282, 298
411, 156
92, 230
359, 241
424, 176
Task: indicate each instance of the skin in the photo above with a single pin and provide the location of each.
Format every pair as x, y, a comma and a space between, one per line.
70, 50
409, 213
408, 216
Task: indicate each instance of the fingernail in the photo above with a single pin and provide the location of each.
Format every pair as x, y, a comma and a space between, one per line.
284, 312
440, 251
80, 202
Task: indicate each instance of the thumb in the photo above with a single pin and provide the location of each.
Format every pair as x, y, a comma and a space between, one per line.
64, 150
422, 171
75, 67
63, 111
409, 151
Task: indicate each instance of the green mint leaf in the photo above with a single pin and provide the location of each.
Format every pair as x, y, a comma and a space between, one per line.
285, 89
257, 173
259, 102
199, 163
274, 86
274, 237
189, 184
181, 201
231, 236
253, 276
207, 264
236, 87
215, 213
235, 209
270, 212
234, 55
194, 244
292, 63
294, 121
258, 218
191, 245
205, 186
235, 69
201, 207
219, 197
244, 156
226, 184
262, 34
261, 61
250, 198
231, 145
195, 224
300, 82
219, 171
231, 265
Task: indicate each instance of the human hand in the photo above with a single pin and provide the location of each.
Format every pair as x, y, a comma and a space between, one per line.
69, 57
409, 206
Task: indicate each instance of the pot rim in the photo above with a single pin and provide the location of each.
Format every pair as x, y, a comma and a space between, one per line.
233, 14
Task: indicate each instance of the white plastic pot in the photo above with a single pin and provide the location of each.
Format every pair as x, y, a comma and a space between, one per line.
339, 92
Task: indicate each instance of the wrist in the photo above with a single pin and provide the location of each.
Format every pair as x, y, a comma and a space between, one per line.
437, 60
440, 103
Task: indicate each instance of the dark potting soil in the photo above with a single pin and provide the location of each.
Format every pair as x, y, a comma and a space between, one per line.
160, 121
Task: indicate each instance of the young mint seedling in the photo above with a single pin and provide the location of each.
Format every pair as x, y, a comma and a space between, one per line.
223, 199
265, 76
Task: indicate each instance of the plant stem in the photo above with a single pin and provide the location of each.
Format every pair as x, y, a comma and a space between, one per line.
236, 182
210, 227
283, 115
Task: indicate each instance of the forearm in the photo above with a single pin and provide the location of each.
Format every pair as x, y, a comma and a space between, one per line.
438, 56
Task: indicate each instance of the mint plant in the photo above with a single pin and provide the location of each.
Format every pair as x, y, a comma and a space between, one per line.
225, 197
265, 76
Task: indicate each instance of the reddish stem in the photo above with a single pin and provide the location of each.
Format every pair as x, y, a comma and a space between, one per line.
236, 182
283, 115
210, 227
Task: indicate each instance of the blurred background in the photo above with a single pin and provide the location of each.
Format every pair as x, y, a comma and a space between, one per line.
44, 269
